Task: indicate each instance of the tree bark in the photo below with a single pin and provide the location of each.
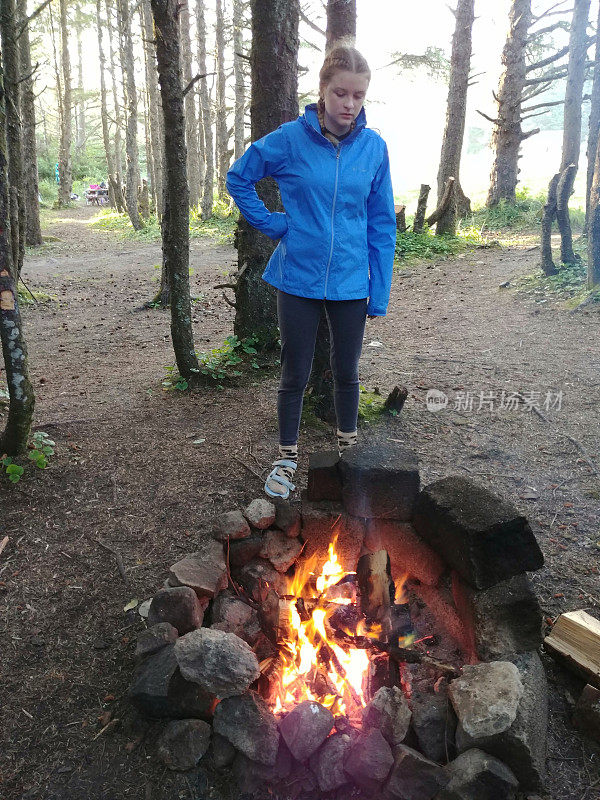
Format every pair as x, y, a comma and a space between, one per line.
593, 266
33, 231
80, 117
419, 221
131, 145
154, 109
222, 138
191, 123
176, 215
460, 65
239, 125
13, 440
508, 133
118, 160
110, 162
563, 192
548, 265
10, 56
64, 155
206, 116
594, 128
341, 21
274, 69
578, 46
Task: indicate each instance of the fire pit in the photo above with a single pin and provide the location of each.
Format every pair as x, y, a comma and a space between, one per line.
379, 641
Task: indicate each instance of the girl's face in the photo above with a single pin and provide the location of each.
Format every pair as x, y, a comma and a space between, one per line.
344, 96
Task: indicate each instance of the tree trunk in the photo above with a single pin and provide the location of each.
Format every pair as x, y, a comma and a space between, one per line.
548, 265
578, 46
419, 220
175, 221
341, 21
239, 127
64, 155
154, 109
118, 160
13, 441
80, 127
10, 58
594, 129
460, 64
33, 232
131, 144
191, 123
563, 192
206, 115
274, 69
593, 267
110, 163
508, 133
222, 138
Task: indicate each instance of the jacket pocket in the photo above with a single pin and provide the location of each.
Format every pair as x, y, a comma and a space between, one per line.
282, 253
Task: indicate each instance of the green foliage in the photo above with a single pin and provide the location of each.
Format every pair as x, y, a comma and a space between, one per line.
30, 298
524, 214
48, 190
370, 405
433, 61
40, 450
569, 284
411, 245
219, 365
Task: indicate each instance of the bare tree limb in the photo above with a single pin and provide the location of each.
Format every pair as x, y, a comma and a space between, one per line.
194, 80
32, 16
545, 61
543, 105
311, 24
527, 134
489, 119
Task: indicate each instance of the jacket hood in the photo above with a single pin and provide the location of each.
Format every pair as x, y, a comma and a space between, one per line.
310, 118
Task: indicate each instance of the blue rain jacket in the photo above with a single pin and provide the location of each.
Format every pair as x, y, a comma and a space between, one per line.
338, 232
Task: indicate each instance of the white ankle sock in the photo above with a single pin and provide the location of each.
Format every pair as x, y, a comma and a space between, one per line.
346, 440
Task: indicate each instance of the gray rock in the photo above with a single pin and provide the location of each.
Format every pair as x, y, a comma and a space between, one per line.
305, 728
249, 724
434, 724
380, 479
220, 662
287, 518
280, 550
221, 751
486, 698
389, 713
252, 776
231, 525
259, 572
521, 745
243, 551
324, 479
328, 762
203, 571
159, 691
476, 775
507, 619
413, 777
369, 760
260, 513
183, 743
484, 538
179, 606
154, 639
232, 615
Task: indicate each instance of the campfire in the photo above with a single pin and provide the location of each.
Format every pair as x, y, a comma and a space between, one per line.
379, 638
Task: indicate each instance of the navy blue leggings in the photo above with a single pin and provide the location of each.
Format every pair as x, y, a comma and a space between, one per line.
298, 323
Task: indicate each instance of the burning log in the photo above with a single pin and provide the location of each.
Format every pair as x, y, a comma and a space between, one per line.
404, 655
376, 586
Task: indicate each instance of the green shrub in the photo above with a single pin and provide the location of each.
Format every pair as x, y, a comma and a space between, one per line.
524, 214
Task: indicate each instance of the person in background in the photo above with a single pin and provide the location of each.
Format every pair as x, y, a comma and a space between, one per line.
336, 246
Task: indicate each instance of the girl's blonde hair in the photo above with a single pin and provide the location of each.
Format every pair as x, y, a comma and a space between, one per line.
342, 56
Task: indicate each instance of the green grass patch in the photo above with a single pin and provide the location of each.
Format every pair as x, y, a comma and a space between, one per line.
522, 215
32, 297
415, 246
370, 405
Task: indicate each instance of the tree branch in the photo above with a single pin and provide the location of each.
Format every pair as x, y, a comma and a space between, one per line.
527, 134
485, 116
543, 105
545, 61
194, 80
311, 24
32, 16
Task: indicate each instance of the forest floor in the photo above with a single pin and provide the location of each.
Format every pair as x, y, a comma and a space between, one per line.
128, 472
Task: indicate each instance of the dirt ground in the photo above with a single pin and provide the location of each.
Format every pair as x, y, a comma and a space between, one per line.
127, 473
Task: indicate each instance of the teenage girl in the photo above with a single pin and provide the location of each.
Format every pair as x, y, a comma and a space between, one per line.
336, 242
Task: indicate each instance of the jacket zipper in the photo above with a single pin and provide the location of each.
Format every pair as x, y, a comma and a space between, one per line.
337, 165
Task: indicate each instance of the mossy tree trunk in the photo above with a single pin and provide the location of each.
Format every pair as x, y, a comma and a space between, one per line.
66, 125
274, 68
176, 213
206, 115
13, 440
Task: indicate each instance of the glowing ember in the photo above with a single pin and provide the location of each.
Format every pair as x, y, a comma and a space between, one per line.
315, 667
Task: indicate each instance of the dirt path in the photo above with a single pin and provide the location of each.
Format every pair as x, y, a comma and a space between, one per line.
127, 473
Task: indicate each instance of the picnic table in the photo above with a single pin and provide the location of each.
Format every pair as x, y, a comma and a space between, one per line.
96, 196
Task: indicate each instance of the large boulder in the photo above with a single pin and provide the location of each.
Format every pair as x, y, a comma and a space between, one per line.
476, 775
484, 538
413, 777
305, 728
502, 708
260, 513
249, 724
434, 725
380, 479
220, 662
232, 615
231, 525
179, 606
368, 761
183, 743
154, 639
281, 550
203, 571
328, 762
159, 690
